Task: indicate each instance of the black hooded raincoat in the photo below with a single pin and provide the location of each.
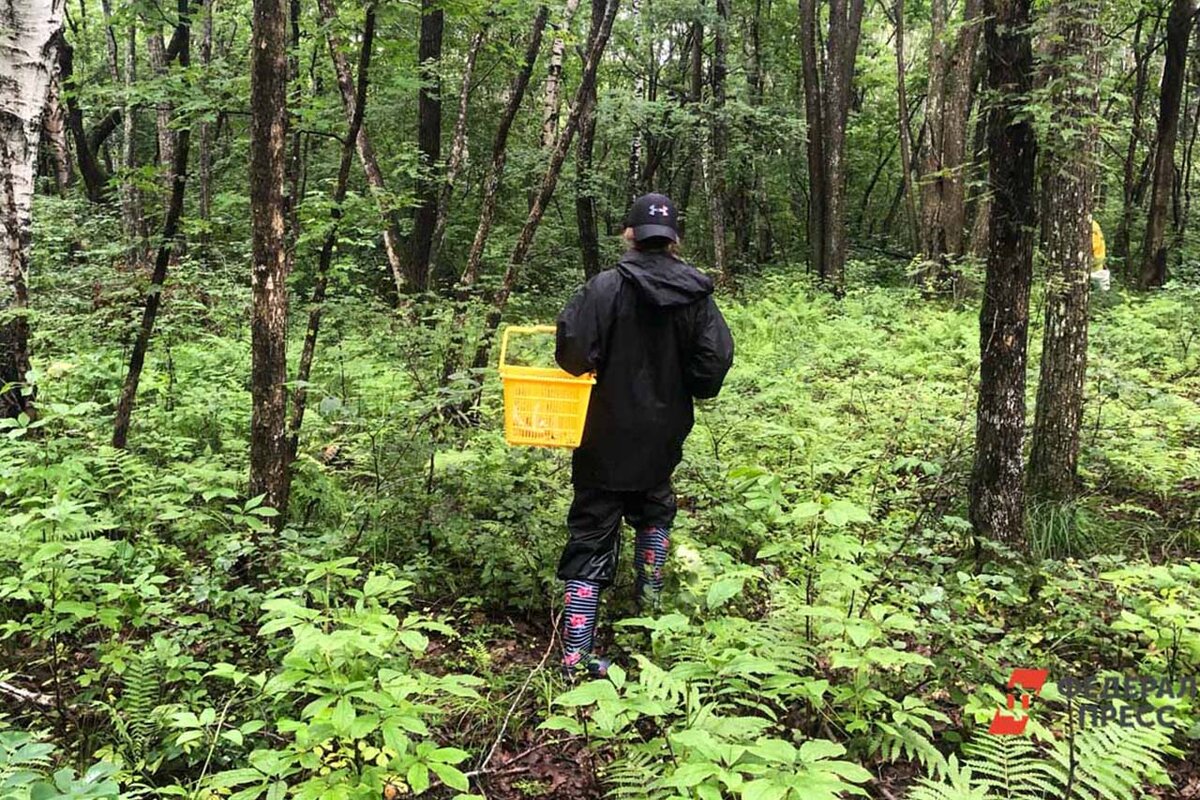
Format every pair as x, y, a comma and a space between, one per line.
651, 332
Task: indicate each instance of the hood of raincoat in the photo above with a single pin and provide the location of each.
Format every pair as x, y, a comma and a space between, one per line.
663, 280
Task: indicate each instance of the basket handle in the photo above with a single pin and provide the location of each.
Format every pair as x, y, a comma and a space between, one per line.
521, 330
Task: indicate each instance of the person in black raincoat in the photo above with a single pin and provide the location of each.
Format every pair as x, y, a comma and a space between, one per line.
651, 332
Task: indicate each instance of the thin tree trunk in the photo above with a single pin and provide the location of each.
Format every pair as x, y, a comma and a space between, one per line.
166, 137
1154, 251
429, 144
28, 33
906, 158
268, 277
158, 277
95, 178
1072, 161
131, 195
458, 152
110, 42
205, 165
633, 169
525, 239
997, 497
491, 186
553, 95
392, 242
292, 198
714, 158
321, 284
54, 126
585, 190
1141, 56
695, 95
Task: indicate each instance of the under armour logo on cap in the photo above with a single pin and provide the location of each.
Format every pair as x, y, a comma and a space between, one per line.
653, 216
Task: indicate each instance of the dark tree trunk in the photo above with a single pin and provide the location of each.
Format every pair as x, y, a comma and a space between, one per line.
715, 159
205, 164
166, 247
585, 190
429, 144
1071, 156
392, 243
491, 186
947, 111
695, 64
1141, 56
997, 497
321, 284
827, 93
1154, 250
902, 122
268, 277
95, 177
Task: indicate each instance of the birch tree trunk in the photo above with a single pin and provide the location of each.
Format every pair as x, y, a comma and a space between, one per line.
392, 242
1154, 251
268, 278
1072, 141
28, 33
997, 496
553, 95
458, 156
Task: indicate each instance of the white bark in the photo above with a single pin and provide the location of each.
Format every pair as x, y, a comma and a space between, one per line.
27, 33
550, 107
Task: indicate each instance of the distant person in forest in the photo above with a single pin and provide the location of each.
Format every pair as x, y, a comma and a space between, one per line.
651, 332
1100, 276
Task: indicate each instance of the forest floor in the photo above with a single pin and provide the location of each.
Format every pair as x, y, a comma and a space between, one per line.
831, 620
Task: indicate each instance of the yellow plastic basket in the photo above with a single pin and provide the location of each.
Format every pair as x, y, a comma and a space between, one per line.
543, 406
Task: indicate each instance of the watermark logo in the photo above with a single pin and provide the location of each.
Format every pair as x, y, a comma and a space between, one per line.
1123, 700
1030, 681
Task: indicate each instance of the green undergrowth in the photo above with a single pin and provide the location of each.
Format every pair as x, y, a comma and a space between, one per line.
830, 614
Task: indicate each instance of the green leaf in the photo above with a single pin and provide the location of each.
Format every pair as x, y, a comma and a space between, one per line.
721, 591
589, 693
776, 751
418, 778
817, 749
451, 776
763, 789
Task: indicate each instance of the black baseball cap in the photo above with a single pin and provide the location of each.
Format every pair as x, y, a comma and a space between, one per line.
653, 216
